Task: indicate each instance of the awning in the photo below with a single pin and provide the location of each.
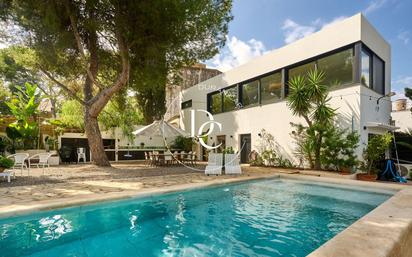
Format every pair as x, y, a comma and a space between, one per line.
381, 126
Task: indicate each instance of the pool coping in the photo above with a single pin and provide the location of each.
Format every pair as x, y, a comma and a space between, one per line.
385, 231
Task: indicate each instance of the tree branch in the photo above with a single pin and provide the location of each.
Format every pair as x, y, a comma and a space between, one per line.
80, 45
62, 86
98, 102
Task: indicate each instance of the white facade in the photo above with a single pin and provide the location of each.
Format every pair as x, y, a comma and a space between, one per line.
356, 104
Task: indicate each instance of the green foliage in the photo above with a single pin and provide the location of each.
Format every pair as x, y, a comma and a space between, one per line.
377, 145
308, 98
24, 106
17, 66
71, 115
228, 150
183, 143
4, 97
269, 154
121, 113
284, 162
408, 93
159, 38
269, 157
338, 149
6, 163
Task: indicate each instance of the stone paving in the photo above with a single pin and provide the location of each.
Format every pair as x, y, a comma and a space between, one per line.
69, 183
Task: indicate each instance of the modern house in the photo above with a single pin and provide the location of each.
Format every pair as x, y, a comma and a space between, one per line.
252, 97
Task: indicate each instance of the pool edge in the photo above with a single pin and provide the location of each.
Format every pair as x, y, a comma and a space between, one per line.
386, 231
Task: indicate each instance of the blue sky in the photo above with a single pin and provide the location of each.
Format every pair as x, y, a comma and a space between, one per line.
262, 25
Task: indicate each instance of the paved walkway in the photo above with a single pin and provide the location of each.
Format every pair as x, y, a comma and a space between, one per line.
73, 184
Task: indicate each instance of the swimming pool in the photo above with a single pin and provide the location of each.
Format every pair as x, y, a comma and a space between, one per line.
257, 218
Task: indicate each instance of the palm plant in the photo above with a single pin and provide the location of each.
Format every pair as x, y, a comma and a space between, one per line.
308, 98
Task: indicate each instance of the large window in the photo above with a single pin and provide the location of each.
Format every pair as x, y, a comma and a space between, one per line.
215, 103
365, 68
301, 70
271, 88
378, 75
337, 67
250, 93
187, 104
230, 99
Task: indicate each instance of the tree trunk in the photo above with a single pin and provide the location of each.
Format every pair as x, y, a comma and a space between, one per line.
98, 155
318, 147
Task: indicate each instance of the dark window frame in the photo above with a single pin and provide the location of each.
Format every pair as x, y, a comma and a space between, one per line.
315, 58
282, 90
209, 101
223, 97
186, 104
356, 47
373, 55
240, 92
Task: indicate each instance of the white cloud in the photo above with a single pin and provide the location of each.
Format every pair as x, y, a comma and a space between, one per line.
404, 37
333, 21
237, 52
403, 81
398, 86
294, 31
374, 5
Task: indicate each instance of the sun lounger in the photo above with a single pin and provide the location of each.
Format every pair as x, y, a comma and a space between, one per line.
232, 164
214, 164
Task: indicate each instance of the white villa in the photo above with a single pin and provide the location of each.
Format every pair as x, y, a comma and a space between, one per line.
251, 97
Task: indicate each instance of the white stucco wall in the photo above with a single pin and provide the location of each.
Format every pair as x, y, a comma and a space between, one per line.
403, 120
356, 105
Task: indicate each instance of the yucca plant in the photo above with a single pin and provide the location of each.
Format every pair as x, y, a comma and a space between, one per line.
308, 98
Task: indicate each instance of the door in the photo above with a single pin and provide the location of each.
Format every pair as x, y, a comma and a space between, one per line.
246, 147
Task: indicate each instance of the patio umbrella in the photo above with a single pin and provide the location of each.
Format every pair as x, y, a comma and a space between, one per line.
162, 129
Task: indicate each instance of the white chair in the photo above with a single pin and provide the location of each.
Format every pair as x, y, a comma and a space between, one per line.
191, 158
43, 160
182, 156
81, 154
151, 159
214, 164
168, 157
20, 162
156, 160
175, 157
232, 165
188, 157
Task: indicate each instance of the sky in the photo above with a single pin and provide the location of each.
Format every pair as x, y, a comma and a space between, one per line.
259, 26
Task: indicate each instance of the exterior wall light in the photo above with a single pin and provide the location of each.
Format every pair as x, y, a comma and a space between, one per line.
387, 95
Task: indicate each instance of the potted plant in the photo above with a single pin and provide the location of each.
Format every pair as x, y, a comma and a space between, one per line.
5, 163
141, 145
375, 151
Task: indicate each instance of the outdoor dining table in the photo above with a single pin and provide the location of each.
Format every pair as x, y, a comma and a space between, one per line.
178, 156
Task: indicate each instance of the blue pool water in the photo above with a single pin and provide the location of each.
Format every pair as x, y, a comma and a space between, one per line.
259, 218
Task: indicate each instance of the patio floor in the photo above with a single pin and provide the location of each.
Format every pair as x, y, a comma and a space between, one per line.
69, 184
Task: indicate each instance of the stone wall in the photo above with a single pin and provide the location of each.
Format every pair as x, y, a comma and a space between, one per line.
188, 77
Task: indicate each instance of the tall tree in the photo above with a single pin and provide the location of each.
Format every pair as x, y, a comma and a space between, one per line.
308, 98
103, 42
